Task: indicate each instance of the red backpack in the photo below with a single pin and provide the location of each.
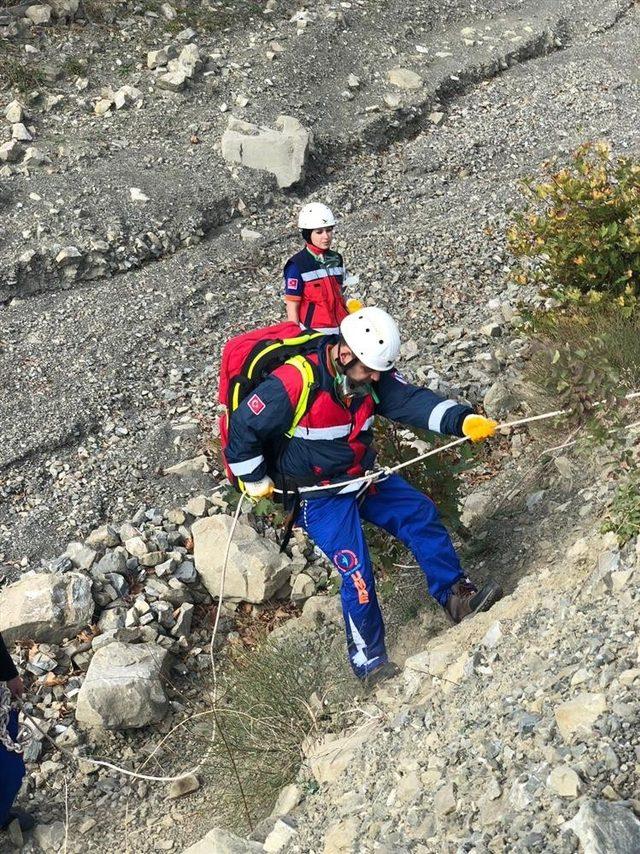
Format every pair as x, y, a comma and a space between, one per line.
249, 358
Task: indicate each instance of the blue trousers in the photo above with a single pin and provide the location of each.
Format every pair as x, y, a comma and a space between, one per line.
334, 524
11, 772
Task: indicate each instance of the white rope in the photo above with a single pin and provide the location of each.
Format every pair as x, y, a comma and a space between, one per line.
385, 471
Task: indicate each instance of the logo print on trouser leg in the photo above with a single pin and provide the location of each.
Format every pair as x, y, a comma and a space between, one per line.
348, 564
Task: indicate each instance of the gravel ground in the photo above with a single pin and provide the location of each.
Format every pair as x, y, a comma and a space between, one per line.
109, 381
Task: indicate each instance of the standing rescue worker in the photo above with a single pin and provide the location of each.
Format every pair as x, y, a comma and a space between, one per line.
12, 768
314, 277
331, 446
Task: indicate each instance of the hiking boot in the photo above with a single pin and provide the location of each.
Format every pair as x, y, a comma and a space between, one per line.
24, 819
385, 671
465, 599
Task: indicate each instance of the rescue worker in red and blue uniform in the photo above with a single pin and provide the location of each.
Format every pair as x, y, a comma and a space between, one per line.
314, 277
332, 444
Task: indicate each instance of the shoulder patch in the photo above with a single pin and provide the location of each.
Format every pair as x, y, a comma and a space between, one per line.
256, 404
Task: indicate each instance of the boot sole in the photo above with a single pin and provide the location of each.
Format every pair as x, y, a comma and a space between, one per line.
491, 593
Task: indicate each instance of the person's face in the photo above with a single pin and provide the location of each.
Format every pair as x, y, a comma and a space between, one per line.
322, 237
359, 373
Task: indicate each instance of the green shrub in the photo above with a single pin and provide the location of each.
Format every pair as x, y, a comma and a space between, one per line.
623, 517
580, 230
583, 353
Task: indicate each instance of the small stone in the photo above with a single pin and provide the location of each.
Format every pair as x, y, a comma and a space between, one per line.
38, 14
404, 78
182, 627
187, 468
14, 112
579, 715
565, 782
444, 800
68, 255
136, 546
288, 800
183, 786
87, 825
137, 195
303, 588
435, 118
10, 152
34, 157
392, 100
168, 11
493, 636
173, 81
353, 82
20, 132
81, 556
281, 835
248, 234
50, 837
187, 35
197, 506
102, 107
157, 58
103, 538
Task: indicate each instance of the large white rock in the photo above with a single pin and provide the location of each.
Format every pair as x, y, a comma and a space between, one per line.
255, 569
123, 687
606, 828
46, 607
219, 841
282, 152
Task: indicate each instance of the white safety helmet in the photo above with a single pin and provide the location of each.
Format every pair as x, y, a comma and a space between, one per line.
373, 337
315, 215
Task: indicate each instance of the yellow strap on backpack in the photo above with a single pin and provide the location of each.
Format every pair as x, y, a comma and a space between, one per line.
308, 382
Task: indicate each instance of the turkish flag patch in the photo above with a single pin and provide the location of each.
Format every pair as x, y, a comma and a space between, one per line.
256, 404
292, 284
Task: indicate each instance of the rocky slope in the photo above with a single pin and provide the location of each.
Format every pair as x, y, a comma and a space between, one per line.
516, 731
108, 363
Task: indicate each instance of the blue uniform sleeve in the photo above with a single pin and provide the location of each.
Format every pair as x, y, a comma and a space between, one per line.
264, 416
418, 407
293, 284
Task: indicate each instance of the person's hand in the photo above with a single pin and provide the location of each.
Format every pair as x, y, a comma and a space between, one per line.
477, 427
262, 488
16, 686
354, 305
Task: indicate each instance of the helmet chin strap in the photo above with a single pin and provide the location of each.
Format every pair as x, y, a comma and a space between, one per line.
344, 368
343, 383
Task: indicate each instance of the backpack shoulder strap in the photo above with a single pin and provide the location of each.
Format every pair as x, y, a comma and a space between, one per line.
308, 387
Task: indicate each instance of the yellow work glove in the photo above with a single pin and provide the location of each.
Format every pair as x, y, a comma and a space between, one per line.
262, 488
354, 305
477, 427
